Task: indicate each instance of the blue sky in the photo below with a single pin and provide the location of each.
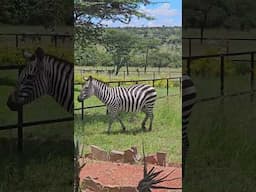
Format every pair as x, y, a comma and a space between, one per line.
165, 12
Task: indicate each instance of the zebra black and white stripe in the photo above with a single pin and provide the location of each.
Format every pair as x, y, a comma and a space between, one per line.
188, 100
139, 97
44, 75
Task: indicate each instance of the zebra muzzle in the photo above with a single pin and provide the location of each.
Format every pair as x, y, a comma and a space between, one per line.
12, 104
79, 99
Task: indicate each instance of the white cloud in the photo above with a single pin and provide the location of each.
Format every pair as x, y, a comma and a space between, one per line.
164, 10
163, 15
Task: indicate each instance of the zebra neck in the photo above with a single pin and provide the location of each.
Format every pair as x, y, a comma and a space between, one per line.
60, 82
102, 92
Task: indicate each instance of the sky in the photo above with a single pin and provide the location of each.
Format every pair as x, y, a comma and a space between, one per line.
165, 12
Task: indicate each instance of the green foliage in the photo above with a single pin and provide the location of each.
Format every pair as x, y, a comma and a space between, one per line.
13, 56
32, 12
137, 47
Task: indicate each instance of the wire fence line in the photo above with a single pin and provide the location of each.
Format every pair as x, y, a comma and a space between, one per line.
20, 121
222, 57
119, 83
21, 37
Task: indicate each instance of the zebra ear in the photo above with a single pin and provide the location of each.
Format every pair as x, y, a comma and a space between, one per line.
27, 55
39, 53
90, 78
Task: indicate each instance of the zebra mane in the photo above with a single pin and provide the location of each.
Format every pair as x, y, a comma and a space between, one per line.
100, 81
60, 59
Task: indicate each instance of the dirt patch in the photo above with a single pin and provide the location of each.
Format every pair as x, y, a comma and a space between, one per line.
120, 177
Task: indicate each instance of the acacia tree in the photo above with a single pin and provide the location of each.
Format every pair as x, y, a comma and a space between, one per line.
119, 44
89, 16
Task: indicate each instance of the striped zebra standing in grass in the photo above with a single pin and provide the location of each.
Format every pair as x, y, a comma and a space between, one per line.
135, 98
44, 75
188, 100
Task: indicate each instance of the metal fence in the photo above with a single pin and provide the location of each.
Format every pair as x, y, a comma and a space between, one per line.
221, 57
54, 38
82, 108
20, 122
226, 40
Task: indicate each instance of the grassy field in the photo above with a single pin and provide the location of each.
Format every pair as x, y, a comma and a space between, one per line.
44, 165
222, 141
152, 73
166, 134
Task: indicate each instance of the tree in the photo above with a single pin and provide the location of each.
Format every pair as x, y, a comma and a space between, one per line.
119, 44
145, 46
48, 13
89, 16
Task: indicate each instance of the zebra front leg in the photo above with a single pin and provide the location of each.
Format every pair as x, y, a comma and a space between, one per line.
110, 122
122, 124
151, 121
144, 122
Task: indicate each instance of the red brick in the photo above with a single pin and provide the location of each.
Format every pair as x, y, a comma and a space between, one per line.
161, 158
99, 154
129, 156
151, 159
91, 184
117, 156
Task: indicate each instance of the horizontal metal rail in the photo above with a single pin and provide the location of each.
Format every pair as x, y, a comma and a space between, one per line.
33, 123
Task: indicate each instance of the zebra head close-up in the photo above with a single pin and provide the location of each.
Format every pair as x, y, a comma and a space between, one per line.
87, 90
43, 75
136, 98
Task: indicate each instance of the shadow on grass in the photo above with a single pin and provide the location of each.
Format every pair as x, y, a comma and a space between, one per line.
134, 131
38, 167
90, 119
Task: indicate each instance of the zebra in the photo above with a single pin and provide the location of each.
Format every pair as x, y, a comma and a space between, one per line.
139, 97
188, 100
43, 75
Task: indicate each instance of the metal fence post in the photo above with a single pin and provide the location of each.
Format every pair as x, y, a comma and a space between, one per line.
82, 108
20, 124
252, 75
188, 67
222, 75
167, 86
20, 129
180, 79
17, 41
55, 40
189, 47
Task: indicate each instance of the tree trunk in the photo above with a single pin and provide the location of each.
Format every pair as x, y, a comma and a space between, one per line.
201, 33
127, 68
146, 63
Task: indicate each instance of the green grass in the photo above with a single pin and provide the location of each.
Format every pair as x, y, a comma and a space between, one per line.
222, 141
165, 136
47, 162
